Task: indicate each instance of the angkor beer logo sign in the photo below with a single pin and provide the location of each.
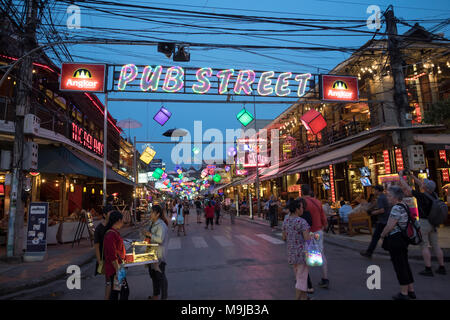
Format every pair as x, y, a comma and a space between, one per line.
83, 77
339, 88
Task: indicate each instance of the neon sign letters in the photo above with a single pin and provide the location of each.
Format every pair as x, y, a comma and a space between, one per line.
239, 82
83, 138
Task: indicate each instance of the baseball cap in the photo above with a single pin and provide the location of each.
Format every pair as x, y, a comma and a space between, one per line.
429, 185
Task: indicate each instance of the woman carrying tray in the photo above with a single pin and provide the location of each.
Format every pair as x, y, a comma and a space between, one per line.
158, 235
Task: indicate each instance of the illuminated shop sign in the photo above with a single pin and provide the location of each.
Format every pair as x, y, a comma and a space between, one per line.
85, 139
387, 162
207, 80
333, 193
339, 88
399, 159
82, 77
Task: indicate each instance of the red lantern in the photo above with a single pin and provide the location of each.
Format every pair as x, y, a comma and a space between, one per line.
313, 121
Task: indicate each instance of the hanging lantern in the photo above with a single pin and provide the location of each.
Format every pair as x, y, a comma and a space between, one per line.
244, 117
101, 192
217, 178
93, 191
162, 116
148, 155
84, 189
157, 173
195, 150
72, 188
231, 151
313, 121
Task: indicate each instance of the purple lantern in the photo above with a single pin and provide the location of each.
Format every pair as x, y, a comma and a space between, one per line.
162, 116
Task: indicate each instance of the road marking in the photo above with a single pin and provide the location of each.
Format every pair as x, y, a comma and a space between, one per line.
174, 243
270, 239
224, 242
199, 242
247, 240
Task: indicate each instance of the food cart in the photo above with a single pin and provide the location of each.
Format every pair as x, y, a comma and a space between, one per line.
141, 253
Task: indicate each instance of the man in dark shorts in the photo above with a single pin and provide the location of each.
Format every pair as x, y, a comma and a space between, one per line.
198, 206
186, 211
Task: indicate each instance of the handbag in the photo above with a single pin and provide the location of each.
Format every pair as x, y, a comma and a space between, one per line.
313, 255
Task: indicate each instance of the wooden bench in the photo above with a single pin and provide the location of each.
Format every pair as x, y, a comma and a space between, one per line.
358, 221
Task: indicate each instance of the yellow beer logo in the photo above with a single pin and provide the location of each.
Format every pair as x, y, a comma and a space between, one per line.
339, 84
82, 74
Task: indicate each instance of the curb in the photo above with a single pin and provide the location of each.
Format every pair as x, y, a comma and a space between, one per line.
354, 245
51, 276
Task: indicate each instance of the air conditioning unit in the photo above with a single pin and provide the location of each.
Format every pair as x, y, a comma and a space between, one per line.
32, 124
30, 156
5, 162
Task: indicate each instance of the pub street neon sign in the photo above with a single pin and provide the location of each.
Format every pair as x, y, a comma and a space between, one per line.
239, 82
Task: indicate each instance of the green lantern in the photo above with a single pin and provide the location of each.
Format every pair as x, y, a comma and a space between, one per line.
157, 173
244, 117
217, 178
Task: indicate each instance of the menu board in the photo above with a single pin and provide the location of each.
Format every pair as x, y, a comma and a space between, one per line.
37, 227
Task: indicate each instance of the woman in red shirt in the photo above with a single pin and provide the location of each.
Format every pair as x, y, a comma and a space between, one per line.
114, 253
209, 214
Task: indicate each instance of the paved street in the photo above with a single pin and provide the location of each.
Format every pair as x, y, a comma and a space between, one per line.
246, 261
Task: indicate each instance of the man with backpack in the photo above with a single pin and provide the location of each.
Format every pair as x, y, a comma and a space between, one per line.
432, 213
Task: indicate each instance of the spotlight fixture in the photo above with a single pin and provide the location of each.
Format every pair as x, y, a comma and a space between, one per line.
182, 53
166, 48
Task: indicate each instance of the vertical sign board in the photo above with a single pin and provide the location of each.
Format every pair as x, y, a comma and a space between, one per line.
333, 193
37, 231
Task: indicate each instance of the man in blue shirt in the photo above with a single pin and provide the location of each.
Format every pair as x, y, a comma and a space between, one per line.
382, 211
344, 211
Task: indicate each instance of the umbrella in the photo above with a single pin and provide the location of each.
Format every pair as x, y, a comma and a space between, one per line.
175, 133
129, 124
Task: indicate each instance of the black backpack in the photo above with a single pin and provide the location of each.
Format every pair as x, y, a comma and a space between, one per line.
438, 212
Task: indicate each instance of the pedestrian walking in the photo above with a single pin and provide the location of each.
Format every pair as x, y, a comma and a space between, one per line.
394, 241
217, 208
318, 226
209, 215
382, 211
296, 233
99, 235
180, 219
425, 198
158, 234
186, 207
114, 252
198, 208
273, 212
174, 210
232, 211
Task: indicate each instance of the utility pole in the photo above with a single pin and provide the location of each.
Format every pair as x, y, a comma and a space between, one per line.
25, 83
257, 165
402, 137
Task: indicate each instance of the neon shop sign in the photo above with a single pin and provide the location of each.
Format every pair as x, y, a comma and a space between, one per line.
85, 139
210, 81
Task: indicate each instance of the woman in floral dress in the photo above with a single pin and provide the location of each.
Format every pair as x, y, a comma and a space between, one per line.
296, 233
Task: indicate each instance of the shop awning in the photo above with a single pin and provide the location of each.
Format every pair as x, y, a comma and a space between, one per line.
335, 156
439, 140
64, 161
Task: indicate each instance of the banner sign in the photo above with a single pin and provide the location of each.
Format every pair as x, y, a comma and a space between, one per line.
37, 227
176, 79
339, 88
84, 77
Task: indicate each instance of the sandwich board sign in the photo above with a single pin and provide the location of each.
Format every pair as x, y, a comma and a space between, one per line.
37, 232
